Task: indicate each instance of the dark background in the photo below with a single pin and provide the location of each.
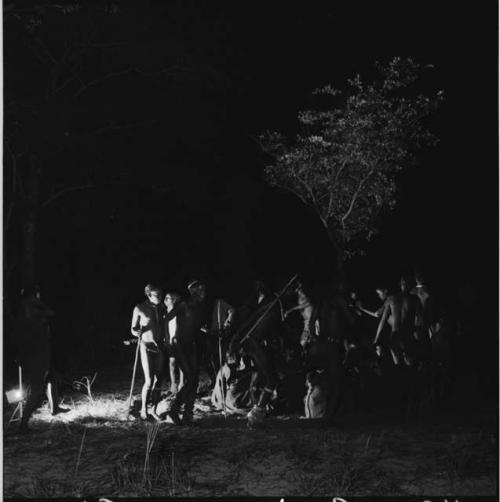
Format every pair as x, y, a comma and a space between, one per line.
195, 204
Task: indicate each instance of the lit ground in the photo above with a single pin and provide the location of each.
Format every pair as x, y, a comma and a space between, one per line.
95, 451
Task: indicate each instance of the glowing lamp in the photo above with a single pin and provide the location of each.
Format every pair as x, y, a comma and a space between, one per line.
14, 396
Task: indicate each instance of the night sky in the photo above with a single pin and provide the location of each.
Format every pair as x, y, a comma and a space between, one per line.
193, 202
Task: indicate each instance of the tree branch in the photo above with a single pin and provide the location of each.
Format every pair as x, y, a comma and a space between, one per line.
7, 218
78, 188
355, 196
97, 81
129, 125
128, 71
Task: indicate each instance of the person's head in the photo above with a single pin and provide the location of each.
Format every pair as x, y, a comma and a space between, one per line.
382, 292
171, 299
153, 294
405, 283
419, 278
197, 290
312, 379
354, 295
259, 286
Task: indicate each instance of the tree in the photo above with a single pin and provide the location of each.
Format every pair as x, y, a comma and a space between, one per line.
344, 160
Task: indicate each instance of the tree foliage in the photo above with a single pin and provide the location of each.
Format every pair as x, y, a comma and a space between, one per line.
344, 160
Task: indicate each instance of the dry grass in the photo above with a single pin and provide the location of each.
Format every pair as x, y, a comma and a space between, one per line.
162, 476
106, 409
106, 454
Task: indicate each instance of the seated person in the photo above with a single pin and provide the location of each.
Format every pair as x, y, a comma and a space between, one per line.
315, 402
234, 384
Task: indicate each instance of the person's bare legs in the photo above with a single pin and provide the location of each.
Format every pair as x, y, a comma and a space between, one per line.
33, 401
172, 366
156, 389
181, 379
148, 380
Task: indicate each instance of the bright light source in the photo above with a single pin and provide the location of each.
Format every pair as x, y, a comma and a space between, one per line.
14, 396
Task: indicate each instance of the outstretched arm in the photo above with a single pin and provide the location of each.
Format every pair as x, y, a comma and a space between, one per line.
375, 313
300, 306
230, 316
383, 320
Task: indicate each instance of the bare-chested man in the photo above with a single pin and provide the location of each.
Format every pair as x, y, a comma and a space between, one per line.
428, 306
382, 293
189, 315
402, 311
305, 307
148, 326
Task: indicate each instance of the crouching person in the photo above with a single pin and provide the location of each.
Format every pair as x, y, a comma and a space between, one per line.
232, 393
318, 390
256, 344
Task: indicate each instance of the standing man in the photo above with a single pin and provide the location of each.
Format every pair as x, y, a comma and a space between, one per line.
148, 326
189, 315
403, 312
217, 319
33, 340
305, 307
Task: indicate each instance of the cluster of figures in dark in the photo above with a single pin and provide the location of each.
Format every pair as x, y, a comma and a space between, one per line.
279, 352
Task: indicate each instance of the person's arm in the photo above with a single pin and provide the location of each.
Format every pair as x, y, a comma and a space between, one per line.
419, 313
231, 311
136, 328
362, 309
173, 313
383, 320
300, 306
40, 309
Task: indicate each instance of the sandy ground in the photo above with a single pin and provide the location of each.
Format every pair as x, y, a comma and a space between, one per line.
94, 450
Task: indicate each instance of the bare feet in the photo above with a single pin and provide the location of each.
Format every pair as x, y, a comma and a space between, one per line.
58, 410
155, 416
173, 417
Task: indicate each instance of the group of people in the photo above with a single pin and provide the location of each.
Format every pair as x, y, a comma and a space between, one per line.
276, 350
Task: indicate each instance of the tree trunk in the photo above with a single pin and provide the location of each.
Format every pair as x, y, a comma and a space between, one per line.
31, 215
337, 248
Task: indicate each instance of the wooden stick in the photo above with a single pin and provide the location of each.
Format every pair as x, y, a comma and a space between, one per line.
271, 305
133, 376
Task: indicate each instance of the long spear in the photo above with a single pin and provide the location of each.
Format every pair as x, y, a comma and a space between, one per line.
269, 307
133, 375
220, 360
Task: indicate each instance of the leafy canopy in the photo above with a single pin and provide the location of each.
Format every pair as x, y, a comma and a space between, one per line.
345, 157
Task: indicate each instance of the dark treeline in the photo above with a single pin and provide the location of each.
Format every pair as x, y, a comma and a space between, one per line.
157, 108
